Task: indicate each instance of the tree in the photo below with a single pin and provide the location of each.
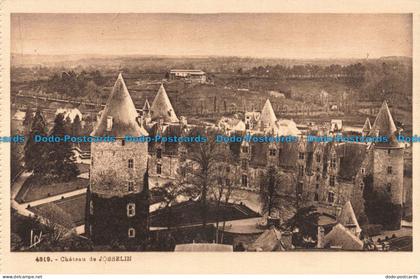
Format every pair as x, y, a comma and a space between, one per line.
35, 153
221, 192
61, 159
15, 158
201, 173
68, 125
76, 126
27, 122
270, 191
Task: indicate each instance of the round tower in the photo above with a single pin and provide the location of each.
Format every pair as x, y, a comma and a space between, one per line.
118, 199
388, 168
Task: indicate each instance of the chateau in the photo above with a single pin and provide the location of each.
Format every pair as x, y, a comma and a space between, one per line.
325, 174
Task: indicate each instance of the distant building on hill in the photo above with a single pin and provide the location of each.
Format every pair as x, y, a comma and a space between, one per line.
188, 75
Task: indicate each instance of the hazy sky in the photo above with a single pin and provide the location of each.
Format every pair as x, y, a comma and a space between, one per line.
261, 35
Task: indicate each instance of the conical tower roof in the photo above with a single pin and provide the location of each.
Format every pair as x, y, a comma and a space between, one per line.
146, 106
367, 126
384, 126
120, 108
268, 117
348, 219
384, 123
162, 107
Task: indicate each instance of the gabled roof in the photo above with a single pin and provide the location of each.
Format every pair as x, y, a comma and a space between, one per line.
342, 237
162, 107
121, 108
348, 219
367, 126
351, 156
268, 241
268, 117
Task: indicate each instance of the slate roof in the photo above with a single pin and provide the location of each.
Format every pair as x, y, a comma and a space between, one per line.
162, 108
269, 240
384, 126
367, 126
348, 219
344, 238
268, 117
121, 108
352, 156
146, 106
289, 154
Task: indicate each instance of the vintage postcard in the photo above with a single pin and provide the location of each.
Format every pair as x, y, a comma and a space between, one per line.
209, 137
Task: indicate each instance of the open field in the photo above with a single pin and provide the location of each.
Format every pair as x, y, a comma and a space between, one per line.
33, 190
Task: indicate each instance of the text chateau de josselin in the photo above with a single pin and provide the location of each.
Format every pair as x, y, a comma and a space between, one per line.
328, 175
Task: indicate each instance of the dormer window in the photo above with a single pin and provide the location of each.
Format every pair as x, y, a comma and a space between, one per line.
109, 123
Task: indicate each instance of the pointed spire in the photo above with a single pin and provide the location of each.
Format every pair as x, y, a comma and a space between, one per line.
119, 118
367, 126
146, 106
384, 123
268, 117
348, 219
162, 107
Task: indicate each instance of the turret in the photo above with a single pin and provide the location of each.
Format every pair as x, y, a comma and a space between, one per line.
162, 108
388, 167
117, 198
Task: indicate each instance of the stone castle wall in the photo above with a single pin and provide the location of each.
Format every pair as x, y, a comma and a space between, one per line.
382, 159
110, 174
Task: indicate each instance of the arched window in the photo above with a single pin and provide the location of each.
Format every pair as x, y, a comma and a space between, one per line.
131, 209
131, 233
